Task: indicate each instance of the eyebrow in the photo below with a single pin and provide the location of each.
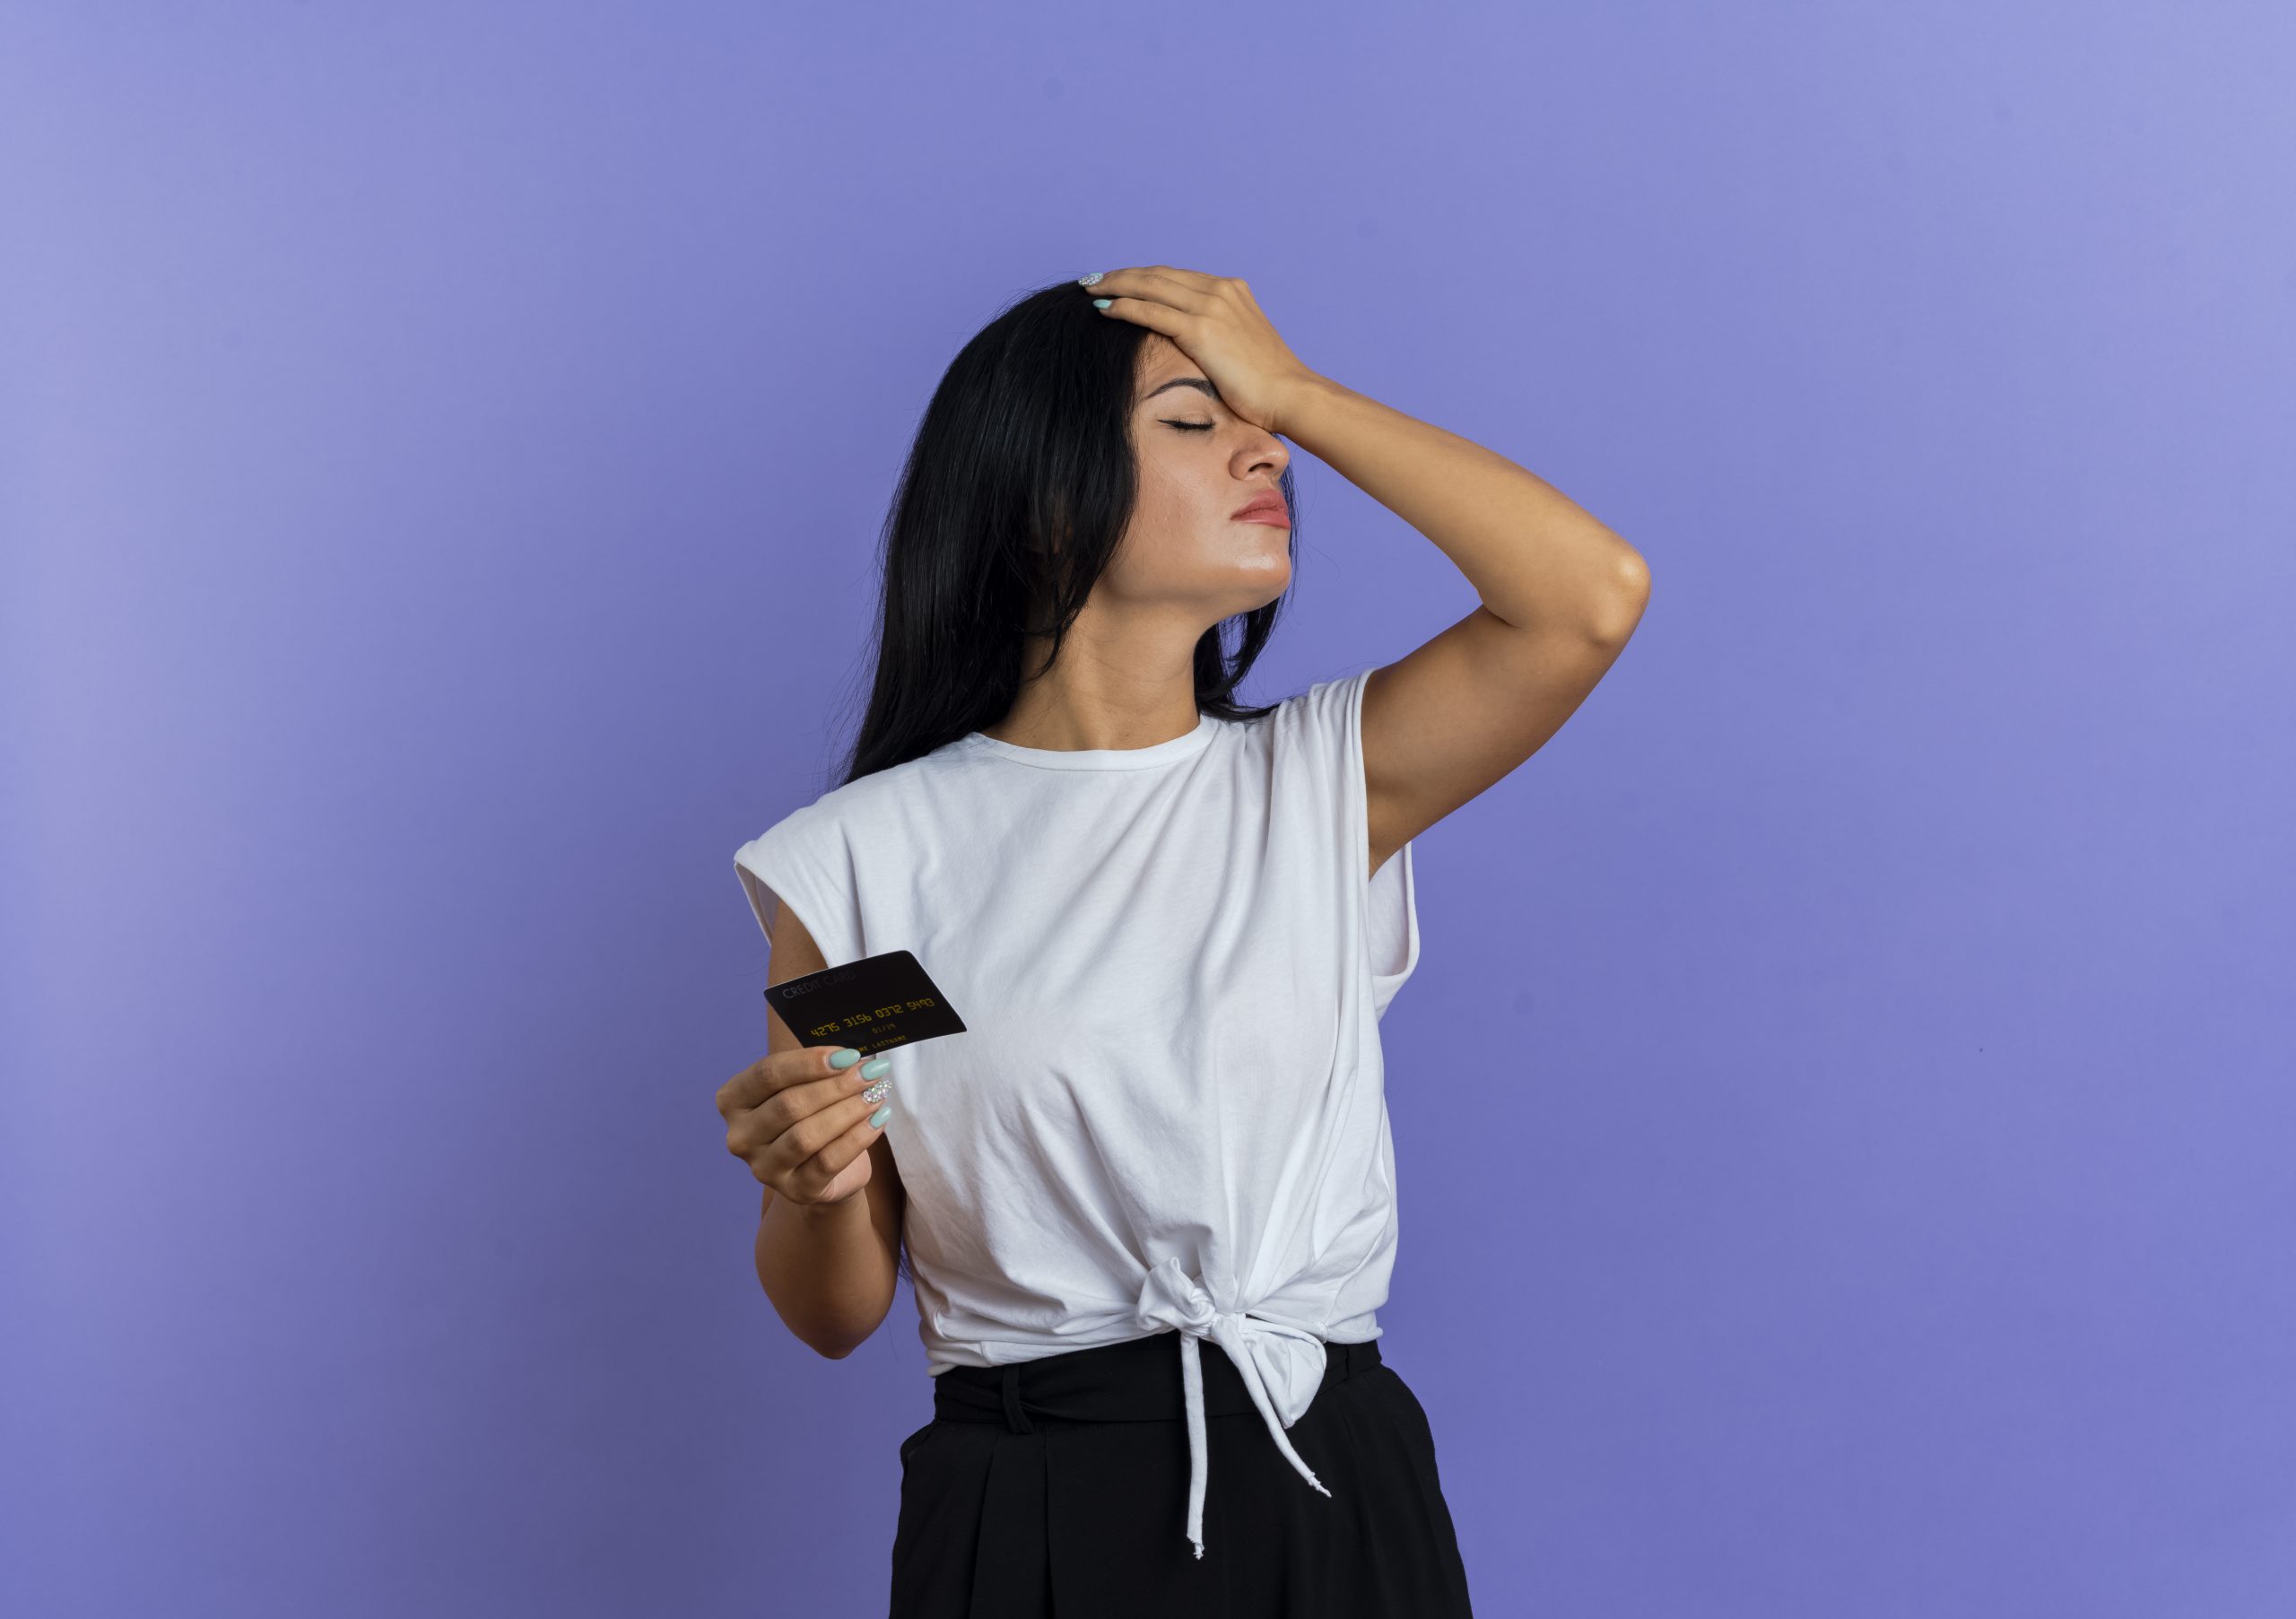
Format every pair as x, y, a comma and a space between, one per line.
1194, 382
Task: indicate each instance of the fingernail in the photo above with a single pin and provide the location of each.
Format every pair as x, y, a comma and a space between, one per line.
1087, 280
1102, 303
876, 1092
874, 1068
845, 1058
881, 1115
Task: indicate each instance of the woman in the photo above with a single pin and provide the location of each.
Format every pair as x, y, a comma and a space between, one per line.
1147, 1196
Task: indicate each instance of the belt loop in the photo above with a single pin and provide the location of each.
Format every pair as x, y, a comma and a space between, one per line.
1015, 1417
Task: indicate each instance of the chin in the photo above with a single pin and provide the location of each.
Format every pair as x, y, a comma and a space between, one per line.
1266, 588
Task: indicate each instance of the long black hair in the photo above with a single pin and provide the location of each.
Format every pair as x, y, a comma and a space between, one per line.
1014, 496
1016, 492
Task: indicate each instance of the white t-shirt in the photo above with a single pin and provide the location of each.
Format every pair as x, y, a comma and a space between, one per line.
1167, 1108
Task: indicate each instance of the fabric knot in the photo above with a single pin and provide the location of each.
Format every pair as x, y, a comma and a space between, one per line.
1282, 1364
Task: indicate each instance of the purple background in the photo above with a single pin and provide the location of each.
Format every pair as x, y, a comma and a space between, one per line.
1844, 1107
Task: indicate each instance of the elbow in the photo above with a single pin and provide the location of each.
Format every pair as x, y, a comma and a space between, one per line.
832, 1337
1622, 604
833, 1340
831, 1330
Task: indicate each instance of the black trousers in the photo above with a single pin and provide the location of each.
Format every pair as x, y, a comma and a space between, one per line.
1057, 1489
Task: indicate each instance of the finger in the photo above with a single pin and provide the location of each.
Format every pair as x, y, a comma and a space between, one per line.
1153, 285
777, 1071
826, 1165
1207, 289
787, 1107
1195, 279
777, 1153
1142, 311
809, 1138
750, 1128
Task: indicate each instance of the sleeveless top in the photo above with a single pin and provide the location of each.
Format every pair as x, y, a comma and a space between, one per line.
1167, 1110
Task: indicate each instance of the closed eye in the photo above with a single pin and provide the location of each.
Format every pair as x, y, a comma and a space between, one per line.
1193, 427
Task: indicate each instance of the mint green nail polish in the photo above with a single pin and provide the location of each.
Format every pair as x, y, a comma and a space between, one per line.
881, 1115
872, 1069
845, 1058
1102, 303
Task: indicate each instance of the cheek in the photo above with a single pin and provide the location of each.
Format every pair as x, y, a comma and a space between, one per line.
1161, 502
1184, 501
1168, 529
1180, 538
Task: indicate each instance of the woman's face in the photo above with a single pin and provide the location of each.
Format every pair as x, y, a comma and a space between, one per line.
1199, 464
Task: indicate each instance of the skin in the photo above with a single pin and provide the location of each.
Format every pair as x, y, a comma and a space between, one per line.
1559, 593
1125, 677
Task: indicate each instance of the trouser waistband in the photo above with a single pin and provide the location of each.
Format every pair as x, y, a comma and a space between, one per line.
1137, 1380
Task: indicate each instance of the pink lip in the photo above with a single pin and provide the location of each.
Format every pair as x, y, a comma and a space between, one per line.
1270, 511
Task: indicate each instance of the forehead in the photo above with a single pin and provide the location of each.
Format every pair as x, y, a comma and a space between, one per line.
1161, 361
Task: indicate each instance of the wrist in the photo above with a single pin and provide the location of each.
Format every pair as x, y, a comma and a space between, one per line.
1307, 395
819, 1214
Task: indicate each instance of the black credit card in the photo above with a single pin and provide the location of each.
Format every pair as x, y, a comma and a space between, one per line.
877, 1002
